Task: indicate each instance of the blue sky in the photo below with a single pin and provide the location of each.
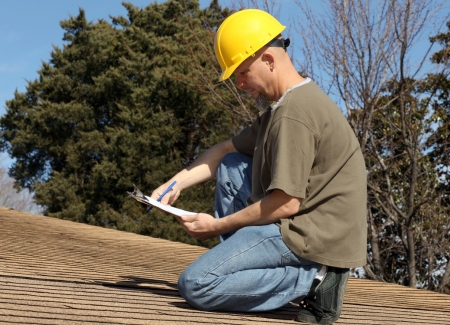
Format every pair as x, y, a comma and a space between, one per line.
29, 28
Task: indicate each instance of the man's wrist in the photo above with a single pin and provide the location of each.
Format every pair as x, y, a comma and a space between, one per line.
223, 225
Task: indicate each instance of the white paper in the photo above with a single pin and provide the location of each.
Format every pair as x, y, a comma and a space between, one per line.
168, 208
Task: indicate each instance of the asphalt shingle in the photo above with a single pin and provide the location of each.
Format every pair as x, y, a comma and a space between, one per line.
60, 272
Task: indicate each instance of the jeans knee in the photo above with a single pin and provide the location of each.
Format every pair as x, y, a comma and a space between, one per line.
189, 290
235, 171
196, 295
233, 161
184, 285
229, 160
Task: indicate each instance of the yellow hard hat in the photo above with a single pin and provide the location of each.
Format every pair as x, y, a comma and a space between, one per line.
241, 35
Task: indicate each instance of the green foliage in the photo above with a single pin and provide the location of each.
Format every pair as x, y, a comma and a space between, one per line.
134, 101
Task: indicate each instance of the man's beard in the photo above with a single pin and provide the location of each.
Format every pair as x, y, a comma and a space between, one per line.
262, 103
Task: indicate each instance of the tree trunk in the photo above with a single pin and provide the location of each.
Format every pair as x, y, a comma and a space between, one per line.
411, 258
377, 272
445, 278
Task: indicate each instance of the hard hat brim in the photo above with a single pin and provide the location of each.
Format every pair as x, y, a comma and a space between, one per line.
228, 72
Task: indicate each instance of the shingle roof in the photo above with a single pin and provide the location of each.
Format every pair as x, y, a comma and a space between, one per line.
60, 272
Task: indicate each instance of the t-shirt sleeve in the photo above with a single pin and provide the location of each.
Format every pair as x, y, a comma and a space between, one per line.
245, 141
290, 156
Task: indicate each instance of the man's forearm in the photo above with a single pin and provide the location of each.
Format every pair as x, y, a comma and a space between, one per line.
202, 169
275, 206
205, 166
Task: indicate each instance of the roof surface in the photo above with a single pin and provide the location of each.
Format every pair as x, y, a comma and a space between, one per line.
60, 272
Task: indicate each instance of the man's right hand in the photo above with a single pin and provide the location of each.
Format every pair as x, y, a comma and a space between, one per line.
202, 169
170, 197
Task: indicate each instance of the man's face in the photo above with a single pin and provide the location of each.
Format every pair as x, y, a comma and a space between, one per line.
251, 76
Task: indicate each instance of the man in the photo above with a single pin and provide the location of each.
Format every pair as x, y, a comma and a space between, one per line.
291, 189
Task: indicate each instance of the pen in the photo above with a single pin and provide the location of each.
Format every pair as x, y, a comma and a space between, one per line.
162, 195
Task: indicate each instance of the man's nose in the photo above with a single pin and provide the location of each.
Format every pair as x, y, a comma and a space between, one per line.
239, 82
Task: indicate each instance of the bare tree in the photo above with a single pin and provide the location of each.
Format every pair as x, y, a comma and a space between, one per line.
12, 198
362, 52
271, 6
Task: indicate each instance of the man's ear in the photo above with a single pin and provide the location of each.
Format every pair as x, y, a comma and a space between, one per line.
268, 58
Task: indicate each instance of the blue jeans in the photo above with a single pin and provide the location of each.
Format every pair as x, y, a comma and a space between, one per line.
250, 270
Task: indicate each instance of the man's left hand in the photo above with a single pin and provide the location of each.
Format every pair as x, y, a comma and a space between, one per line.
201, 226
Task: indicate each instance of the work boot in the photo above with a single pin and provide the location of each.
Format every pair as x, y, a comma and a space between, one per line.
323, 304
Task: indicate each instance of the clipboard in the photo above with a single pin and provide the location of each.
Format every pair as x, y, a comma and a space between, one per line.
140, 197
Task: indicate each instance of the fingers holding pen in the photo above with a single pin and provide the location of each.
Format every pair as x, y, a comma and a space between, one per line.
167, 193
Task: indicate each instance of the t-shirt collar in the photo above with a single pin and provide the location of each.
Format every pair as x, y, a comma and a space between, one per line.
274, 106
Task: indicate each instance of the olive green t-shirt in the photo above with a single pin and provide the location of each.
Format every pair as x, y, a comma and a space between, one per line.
306, 148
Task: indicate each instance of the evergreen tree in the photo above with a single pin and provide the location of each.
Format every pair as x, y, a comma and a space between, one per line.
134, 101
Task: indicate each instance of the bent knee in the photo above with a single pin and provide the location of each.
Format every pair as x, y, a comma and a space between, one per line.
183, 285
195, 295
